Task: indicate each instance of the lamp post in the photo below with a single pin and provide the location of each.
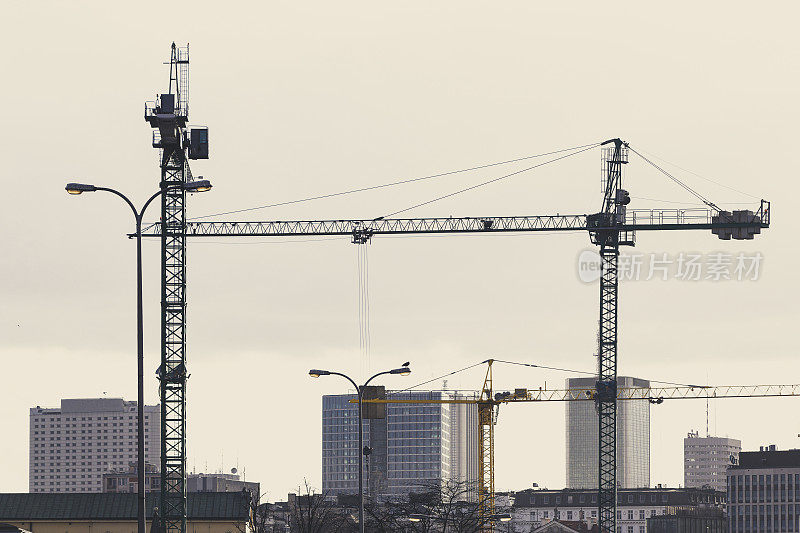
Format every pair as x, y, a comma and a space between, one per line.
403, 371
79, 188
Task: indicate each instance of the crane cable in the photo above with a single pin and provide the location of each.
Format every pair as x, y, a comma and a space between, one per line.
532, 365
654, 156
438, 378
693, 192
394, 183
364, 336
579, 151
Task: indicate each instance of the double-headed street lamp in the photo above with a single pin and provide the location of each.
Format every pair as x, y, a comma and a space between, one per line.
194, 186
403, 371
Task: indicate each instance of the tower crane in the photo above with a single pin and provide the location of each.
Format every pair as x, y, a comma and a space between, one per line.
177, 144
488, 403
613, 226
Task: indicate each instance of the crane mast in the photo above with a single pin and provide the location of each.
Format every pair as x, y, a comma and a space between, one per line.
168, 116
612, 227
609, 239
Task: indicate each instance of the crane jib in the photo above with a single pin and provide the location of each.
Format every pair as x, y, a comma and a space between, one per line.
737, 224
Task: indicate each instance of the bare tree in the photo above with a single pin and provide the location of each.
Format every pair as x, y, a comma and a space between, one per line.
264, 517
449, 507
311, 512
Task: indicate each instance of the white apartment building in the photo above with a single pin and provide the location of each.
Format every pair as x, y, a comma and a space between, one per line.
72, 446
706, 459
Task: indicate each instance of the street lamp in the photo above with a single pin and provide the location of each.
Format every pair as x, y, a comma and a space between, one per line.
402, 371
200, 185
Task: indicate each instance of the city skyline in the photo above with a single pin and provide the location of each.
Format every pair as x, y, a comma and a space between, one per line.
382, 95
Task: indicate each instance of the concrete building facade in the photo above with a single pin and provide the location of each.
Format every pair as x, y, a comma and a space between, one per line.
127, 480
72, 446
706, 460
764, 491
220, 483
413, 447
633, 438
534, 508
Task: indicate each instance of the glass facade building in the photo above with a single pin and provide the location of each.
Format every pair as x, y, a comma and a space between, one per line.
416, 445
764, 492
633, 438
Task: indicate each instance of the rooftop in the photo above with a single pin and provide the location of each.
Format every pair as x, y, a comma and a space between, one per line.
769, 459
23, 507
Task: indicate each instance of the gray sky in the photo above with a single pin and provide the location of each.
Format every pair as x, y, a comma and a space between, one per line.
312, 98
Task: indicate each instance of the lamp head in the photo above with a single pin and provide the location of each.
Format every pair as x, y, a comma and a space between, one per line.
502, 517
78, 188
403, 371
199, 185
314, 373
416, 517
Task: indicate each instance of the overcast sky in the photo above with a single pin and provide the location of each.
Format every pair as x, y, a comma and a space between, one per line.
310, 98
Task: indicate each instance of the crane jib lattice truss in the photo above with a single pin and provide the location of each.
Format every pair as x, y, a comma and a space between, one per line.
612, 227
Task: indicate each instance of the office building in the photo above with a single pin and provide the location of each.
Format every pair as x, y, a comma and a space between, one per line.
764, 491
534, 508
71, 447
633, 438
127, 480
413, 446
706, 459
220, 483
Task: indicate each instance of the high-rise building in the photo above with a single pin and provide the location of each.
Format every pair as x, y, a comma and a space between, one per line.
72, 446
633, 438
705, 460
764, 491
413, 447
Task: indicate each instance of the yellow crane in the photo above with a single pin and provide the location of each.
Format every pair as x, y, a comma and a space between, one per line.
487, 402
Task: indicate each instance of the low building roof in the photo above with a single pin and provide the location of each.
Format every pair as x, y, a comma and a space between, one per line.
768, 459
24, 507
